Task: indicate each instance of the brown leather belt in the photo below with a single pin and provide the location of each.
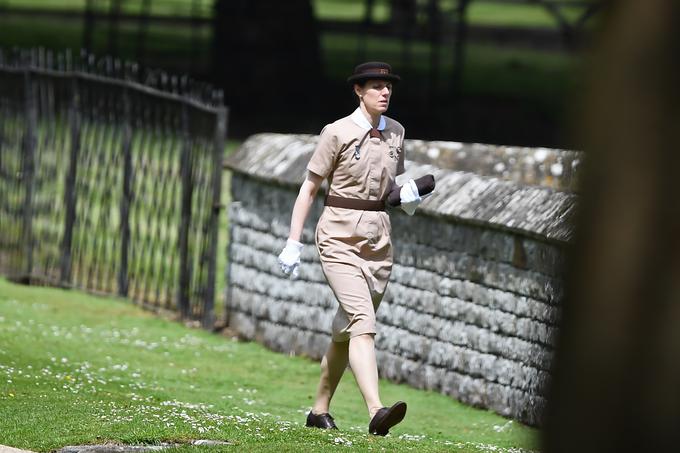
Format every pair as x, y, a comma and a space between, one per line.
354, 203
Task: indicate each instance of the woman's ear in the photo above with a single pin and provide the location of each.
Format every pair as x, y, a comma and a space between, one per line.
358, 91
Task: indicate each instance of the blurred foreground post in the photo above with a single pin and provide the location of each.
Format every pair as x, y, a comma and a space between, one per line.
617, 374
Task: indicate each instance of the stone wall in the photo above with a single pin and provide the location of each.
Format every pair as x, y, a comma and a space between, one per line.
473, 303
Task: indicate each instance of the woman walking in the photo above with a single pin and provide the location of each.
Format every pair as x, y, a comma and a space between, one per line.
360, 155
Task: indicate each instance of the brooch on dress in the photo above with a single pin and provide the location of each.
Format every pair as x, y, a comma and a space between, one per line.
395, 151
357, 147
357, 152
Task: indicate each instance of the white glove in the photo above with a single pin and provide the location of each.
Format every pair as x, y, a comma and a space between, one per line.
289, 259
410, 199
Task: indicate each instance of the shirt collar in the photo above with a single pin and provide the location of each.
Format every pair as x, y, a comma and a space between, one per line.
361, 121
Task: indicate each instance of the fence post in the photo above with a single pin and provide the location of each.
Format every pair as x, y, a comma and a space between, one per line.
126, 199
28, 169
70, 186
213, 228
185, 220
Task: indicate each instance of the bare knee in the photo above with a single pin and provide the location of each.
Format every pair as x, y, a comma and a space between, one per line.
336, 355
338, 348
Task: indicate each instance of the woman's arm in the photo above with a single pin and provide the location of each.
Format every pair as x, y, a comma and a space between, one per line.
303, 203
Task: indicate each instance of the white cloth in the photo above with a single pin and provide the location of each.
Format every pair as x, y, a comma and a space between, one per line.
289, 259
360, 120
410, 199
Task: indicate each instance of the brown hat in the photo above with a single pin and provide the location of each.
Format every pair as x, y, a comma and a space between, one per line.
373, 70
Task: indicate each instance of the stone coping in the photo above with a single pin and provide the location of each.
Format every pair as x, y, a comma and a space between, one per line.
533, 210
6, 449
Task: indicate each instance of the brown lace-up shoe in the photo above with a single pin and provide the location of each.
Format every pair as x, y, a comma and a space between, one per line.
386, 418
323, 421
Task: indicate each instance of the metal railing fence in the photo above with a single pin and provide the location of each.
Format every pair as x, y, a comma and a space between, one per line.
108, 184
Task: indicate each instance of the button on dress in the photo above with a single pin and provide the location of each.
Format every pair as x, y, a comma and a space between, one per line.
354, 246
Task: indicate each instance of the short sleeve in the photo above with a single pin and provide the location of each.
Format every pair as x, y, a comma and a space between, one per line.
323, 159
400, 164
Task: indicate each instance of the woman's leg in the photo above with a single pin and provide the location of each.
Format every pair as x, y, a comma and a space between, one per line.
365, 368
355, 319
333, 366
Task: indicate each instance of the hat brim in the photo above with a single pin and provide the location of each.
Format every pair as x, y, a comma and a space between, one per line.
376, 76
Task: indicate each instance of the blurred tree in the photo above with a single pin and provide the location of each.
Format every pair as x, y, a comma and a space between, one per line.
404, 19
617, 368
143, 30
367, 23
88, 25
572, 30
195, 33
459, 43
266, 51
435, 25
115, 7
403, 13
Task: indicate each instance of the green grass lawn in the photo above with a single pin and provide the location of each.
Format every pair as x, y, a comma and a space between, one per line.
169, 47
517, 14
203, 8
479, 12
79, 369
495, 13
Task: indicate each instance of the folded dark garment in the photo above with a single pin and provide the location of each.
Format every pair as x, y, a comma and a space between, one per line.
425, 185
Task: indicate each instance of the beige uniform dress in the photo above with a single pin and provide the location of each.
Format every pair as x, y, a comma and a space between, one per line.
354, 246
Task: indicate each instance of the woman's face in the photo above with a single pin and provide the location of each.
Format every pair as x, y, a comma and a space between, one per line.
375, 94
